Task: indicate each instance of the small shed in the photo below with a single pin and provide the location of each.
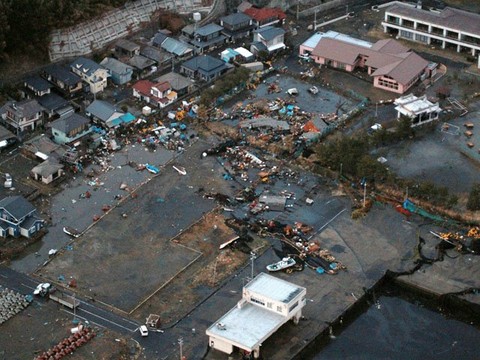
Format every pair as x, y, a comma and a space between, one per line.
153, 321
47, 171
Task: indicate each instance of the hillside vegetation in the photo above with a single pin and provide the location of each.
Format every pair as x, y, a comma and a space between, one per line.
26, 24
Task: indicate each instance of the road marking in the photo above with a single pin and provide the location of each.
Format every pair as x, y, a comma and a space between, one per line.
5, 277
104, 311
105, 319
329, 221
83, 318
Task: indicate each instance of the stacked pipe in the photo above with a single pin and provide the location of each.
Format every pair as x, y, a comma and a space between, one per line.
67, 345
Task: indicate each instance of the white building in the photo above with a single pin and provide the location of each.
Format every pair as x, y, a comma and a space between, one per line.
447, 28
92, 73
267, 303
419, 110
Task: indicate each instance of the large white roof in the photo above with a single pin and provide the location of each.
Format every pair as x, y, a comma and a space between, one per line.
313, 40
274, 288
247, 327
412, 105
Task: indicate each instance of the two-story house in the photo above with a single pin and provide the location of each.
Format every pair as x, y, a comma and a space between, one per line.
236, 26
269, 39
205, 38
18, 217
66, 82
107, 115
266, 16
23, 115
91, 73
70, 128
120, 73
204, 67
158, 94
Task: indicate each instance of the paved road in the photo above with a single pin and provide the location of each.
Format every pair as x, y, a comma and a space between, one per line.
91, 312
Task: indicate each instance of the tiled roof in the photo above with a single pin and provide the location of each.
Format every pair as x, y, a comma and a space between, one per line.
143, 87
116, 66
265, 13
270, 32
234, 19
17, 206
86, 66
127, 45
101, 109
208, 29
452, 18
63, 74
206, 63
69, 123
38, 83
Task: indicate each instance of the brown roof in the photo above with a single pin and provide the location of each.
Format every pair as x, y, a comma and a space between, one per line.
389, 46
449, 17
383, 56
404, 70
163, 86
338, 50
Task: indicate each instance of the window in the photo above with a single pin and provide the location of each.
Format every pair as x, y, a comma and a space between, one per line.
257, 301
269, 305
406, 34
279, 309
421, 38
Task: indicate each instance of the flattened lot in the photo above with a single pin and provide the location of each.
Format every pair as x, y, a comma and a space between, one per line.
123, 260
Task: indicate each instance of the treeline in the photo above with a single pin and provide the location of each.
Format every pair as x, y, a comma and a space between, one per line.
25, 25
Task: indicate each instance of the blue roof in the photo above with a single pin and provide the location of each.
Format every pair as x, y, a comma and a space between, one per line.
17, 206
270, 32
86, 66
101, 109
159, 38
126, 118
61, 73
208, 29
237, 18
38, 83
176, 47
206, 63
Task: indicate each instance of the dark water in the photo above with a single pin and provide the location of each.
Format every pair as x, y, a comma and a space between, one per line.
394, 328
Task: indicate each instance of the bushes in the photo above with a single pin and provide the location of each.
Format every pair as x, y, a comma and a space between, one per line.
473, 202
224, 85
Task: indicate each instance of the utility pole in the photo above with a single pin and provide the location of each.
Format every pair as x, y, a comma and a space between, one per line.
376, 109
252, 259
315, 21
180, 343
364, 193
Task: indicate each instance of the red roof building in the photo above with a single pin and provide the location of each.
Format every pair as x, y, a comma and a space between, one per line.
266, 16
158, 94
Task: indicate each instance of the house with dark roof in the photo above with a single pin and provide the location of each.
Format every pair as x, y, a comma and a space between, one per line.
120, 73
161, 57
47, 171
204, 38
180, 84
107, 115
36, 86
141, 65
24, 115
159, 38
93, 74
41, 148
392, 66
236, 26
266, 16
127, 48
269, 39
157, 94
69, 129
54, 105
18, 217
447, 28
204, 67
68, 83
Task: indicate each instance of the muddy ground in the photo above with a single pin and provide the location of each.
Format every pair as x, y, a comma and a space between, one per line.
41, 326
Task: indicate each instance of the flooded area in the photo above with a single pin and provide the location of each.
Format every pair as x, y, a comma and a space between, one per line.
394, 328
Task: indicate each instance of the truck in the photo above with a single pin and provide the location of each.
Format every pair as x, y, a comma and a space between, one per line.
65, 300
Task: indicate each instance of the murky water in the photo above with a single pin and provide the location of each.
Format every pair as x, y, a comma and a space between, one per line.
394, 328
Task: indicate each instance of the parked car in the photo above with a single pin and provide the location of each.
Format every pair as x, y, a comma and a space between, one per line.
143, 330
8, 181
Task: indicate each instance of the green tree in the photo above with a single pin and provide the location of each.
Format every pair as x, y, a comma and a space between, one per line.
473, 202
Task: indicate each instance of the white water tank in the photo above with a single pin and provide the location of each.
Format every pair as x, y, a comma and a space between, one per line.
197, 16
